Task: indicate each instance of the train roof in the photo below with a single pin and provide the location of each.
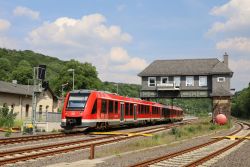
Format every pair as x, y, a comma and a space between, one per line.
114, 96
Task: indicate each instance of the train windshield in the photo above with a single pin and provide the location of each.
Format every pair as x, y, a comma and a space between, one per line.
77, 101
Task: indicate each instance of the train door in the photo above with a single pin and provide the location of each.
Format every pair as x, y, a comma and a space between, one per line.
135, 113
122, 111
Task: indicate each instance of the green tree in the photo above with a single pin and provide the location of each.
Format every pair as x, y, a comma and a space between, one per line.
23, 72
86, 77
241, 103
5, 68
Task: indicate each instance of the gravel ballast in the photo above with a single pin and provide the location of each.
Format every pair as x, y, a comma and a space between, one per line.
124, 159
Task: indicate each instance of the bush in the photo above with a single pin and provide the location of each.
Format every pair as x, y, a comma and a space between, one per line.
7, 117
177, 132
212, 127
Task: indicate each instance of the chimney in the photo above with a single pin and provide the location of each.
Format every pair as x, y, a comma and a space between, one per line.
225, 59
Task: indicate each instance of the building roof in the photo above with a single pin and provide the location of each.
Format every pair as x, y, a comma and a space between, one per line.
12, 88
186, 67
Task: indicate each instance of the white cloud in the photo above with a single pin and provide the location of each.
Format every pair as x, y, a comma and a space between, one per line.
118, 54
241, 44
10, 43
121, 61
236, 14
88, 30
24, 11
4, 25
89, 39
241, 75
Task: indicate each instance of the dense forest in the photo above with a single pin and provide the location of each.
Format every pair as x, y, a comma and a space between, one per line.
18, 65
241, 103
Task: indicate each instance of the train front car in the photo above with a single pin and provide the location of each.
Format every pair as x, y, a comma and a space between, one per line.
76, 107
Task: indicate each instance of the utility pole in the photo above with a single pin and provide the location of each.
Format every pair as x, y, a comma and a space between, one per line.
34, 94
38, 77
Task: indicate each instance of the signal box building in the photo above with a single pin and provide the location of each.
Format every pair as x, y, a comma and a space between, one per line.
189, 78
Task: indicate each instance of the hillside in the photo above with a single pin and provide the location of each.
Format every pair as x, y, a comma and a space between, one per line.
17, 65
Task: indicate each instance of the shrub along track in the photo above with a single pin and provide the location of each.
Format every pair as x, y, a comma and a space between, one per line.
17, 155
199, 154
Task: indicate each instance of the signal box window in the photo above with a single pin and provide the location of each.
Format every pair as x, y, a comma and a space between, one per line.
94, 109
116, 107
202, 80
221, 79
151, 81
190, 81
164, 80
111, 106
104, 106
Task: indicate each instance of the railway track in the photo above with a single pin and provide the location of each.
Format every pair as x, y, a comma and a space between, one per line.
17, 155
199, 154
24, 139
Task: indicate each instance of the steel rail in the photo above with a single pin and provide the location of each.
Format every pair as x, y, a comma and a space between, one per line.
171, 155
34, 138
216, 153
73, 148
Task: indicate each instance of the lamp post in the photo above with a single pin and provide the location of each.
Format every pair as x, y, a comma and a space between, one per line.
73, 71
63, 85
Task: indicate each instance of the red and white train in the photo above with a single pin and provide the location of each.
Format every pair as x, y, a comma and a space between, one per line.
89, 108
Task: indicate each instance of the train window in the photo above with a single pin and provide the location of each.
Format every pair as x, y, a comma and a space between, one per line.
104, 106
142, 109
126, 108
116, 107
154, 110
77, 101
139, 108
111, 106
131, 109
94, 109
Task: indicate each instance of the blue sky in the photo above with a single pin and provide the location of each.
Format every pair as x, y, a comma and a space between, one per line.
122, 37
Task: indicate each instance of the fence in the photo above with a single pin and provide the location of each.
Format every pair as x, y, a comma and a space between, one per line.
48, 117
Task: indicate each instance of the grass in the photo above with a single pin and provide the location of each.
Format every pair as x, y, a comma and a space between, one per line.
175, 134
18, 123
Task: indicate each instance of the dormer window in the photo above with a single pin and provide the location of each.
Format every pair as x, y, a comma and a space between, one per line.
151, 81
221, 79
